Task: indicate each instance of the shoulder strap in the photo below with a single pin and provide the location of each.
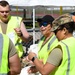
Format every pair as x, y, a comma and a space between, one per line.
52, 40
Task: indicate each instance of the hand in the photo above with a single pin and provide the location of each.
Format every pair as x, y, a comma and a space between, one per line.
32, 69
31, 55
25, 59
18, 31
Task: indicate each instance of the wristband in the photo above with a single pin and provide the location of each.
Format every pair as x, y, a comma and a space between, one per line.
33, 58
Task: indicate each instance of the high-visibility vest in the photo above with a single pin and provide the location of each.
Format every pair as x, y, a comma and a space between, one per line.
4, 44
14, 22
67, 66
47, 48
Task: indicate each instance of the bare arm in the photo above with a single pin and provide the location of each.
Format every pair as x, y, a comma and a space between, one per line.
23, 30
43, 69
14, 65
22, 33
14, 61
53, 61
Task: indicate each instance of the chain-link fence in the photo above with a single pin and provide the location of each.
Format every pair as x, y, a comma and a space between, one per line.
37, 33
26, 45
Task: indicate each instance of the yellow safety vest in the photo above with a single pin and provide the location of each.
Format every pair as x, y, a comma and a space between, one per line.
46, 49
14, 22
4, 44
67, 66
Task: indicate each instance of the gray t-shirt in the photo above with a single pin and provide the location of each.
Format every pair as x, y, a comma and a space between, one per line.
55, 57
3, 27
12, 49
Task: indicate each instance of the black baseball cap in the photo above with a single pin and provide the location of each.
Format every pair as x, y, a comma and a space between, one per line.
46, 18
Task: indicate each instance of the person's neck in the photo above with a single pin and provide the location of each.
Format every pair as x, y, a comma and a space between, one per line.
68, 36
49, 36
3, 22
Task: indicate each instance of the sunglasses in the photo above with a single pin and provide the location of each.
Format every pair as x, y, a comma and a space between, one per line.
43, 24
56, 31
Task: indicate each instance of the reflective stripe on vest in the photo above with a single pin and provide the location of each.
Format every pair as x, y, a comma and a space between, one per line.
68, 53
3, 74
1, 52
53, 39
1, 48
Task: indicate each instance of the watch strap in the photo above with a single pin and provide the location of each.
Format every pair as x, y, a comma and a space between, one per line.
34, 58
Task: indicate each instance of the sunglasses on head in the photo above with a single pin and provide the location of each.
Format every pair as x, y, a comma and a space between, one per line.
43, 24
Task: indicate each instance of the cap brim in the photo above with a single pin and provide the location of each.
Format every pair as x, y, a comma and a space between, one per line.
54, 28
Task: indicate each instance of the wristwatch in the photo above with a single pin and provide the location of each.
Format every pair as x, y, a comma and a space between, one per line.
33, 58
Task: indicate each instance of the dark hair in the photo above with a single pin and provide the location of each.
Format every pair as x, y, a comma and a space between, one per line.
69, 26
4, 3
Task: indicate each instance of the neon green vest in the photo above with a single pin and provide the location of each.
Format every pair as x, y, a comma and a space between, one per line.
46, 49
4, 44
14, 22
67, 66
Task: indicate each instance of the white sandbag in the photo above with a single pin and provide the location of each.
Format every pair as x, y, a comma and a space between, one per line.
34, 48
24, 72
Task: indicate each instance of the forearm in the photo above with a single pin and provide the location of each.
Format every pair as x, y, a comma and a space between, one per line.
42, 68
39, 65
26, 39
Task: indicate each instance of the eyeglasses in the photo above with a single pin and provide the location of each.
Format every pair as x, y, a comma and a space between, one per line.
4, 11
43, 24
56, 31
